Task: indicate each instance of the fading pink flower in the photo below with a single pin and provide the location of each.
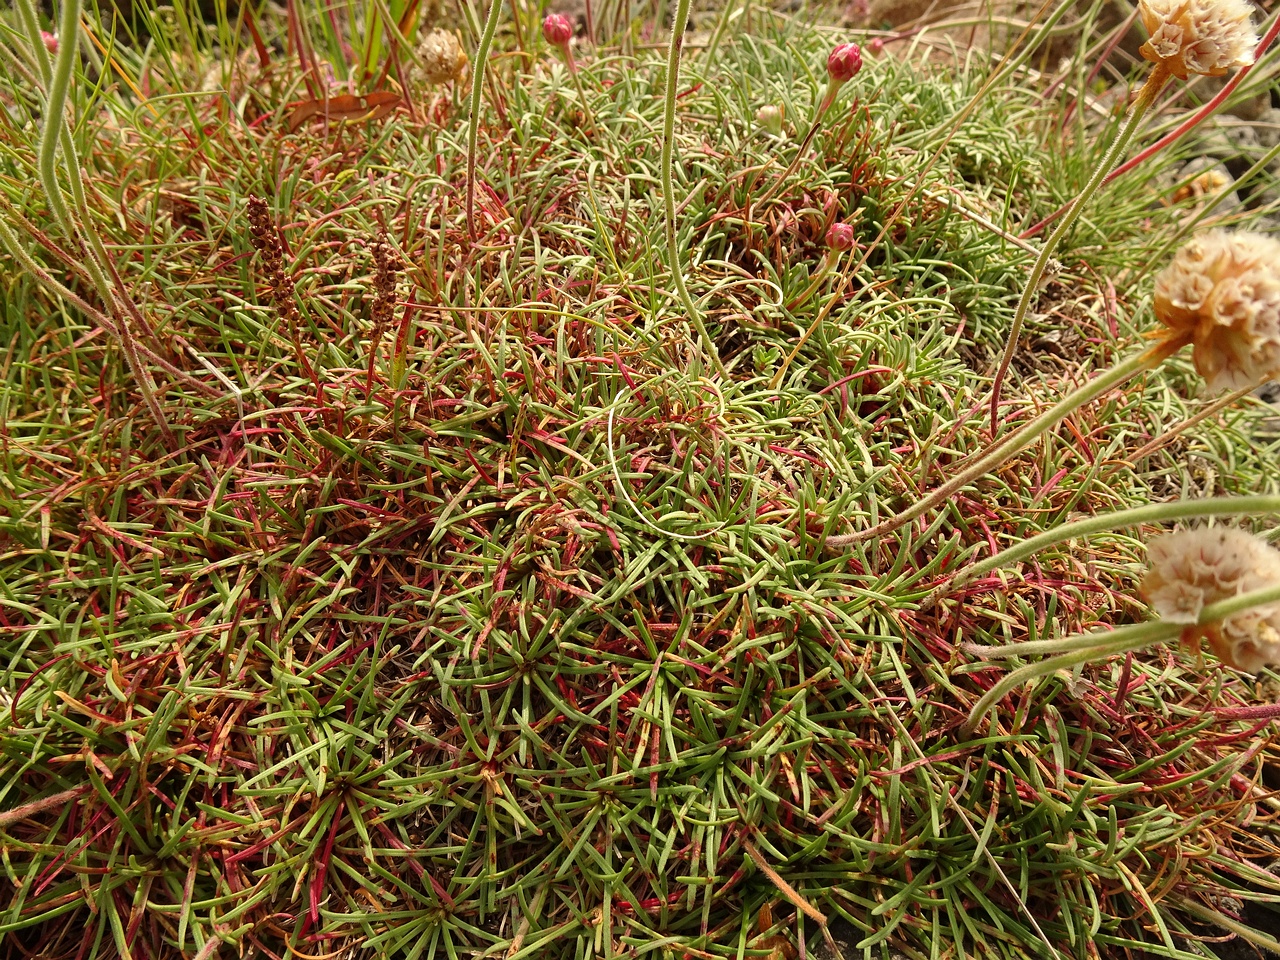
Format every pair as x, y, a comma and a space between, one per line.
1207, 37
1221, 294
1192, 569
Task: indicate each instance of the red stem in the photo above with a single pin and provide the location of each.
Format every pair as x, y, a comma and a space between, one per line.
1196, 118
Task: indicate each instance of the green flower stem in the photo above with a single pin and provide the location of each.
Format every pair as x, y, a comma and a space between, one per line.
51, 134
477, 93
1107, 643
57, 131
1146, 96
1153, 513
1120, 640
577, 83
668, 188
1017, 441
829, 260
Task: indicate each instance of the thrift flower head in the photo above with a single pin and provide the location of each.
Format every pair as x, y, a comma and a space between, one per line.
840, 236
442, 57
1191, 569
1198, 36
557, 30
1222, 295
845, 61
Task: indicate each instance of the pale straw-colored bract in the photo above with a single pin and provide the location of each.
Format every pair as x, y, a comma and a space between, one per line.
1221, 294
1192, 569
1206, 37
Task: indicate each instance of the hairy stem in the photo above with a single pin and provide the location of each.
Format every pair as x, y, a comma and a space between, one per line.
477, 92
57, 131
1019, 440
1110, 642
1152, 513
668, 188
1155, 83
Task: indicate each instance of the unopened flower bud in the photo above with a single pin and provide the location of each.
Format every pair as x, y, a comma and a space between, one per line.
840, 236
557, 30
50, 41
875, 46
442, 57
769, 117
1207, 37
1221, 294
1192, 569
845, 61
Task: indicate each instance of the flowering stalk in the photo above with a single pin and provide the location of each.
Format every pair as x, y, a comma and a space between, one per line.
1221, 295
477, 92
57, 77
840, 237
1219, 584
1017, 441
843, 64
558, 31
1074, 651
1205, 37
1181, 129
1155, 82
1152, 513
668, 188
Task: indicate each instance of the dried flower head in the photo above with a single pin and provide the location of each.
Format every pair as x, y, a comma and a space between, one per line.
557, 30
1192, 569
1198, 36
1222, 295
442, 57
840, 236
844, 62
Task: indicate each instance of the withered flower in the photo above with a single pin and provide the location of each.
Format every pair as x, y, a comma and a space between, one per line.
1192, 569
442, 57
1221, 294
1207, 37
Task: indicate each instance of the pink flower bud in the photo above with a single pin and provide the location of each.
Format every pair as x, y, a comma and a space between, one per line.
50, 41
840, 236
557, 30
875, 46
844, 63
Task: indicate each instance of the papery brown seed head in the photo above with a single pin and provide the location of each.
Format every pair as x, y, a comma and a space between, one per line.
442, 57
